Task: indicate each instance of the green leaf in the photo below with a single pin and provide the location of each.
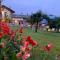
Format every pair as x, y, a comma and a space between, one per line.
13, 56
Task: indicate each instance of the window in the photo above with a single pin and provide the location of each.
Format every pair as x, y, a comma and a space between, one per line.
5, 15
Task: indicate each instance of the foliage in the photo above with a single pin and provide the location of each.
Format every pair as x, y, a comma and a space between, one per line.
16, 46
35, 19
13, 45
57, 21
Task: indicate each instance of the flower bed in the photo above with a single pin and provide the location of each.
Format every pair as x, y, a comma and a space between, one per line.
15, 46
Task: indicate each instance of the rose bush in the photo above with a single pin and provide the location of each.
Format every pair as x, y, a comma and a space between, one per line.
15, 46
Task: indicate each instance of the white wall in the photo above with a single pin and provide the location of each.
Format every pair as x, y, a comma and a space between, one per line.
8, 13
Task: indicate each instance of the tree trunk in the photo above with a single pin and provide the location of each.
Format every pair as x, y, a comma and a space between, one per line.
5, 58
57, 29
31, 26
36, 27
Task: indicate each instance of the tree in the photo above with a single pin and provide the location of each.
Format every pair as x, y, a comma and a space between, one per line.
51, 20
35, 19
57, 23
31, 21
45, 16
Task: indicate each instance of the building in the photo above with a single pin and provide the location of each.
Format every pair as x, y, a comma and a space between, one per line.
19, 19
7, 13
43, 24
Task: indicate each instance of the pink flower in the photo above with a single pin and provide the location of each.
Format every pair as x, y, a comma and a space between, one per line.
26, 56
22, 48
21, 30
2, 45
15, 43
19, 55
48, 47
26, 43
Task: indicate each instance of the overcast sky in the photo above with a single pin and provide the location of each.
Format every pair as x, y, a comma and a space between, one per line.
29, 6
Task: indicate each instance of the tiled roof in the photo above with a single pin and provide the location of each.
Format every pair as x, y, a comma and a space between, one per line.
19, 16
3, 6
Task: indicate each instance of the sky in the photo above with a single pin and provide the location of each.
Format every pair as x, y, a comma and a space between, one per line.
31, 6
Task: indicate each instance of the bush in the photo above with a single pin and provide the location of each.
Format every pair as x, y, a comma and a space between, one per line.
16, 46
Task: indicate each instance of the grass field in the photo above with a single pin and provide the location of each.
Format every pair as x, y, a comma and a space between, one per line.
44, 38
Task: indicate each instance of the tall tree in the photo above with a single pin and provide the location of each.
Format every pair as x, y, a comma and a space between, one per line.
35, 19
50, 19
45, 16
57, 23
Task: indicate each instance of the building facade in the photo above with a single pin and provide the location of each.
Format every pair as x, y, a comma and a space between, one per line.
19, 19
7, 13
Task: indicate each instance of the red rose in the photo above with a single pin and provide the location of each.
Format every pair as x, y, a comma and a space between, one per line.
21, 30
48, 47
34, 43
26, 43
1, 34
28, 38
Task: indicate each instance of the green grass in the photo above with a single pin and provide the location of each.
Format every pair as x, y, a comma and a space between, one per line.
44, 38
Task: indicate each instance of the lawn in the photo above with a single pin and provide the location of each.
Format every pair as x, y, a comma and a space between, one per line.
43, 38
